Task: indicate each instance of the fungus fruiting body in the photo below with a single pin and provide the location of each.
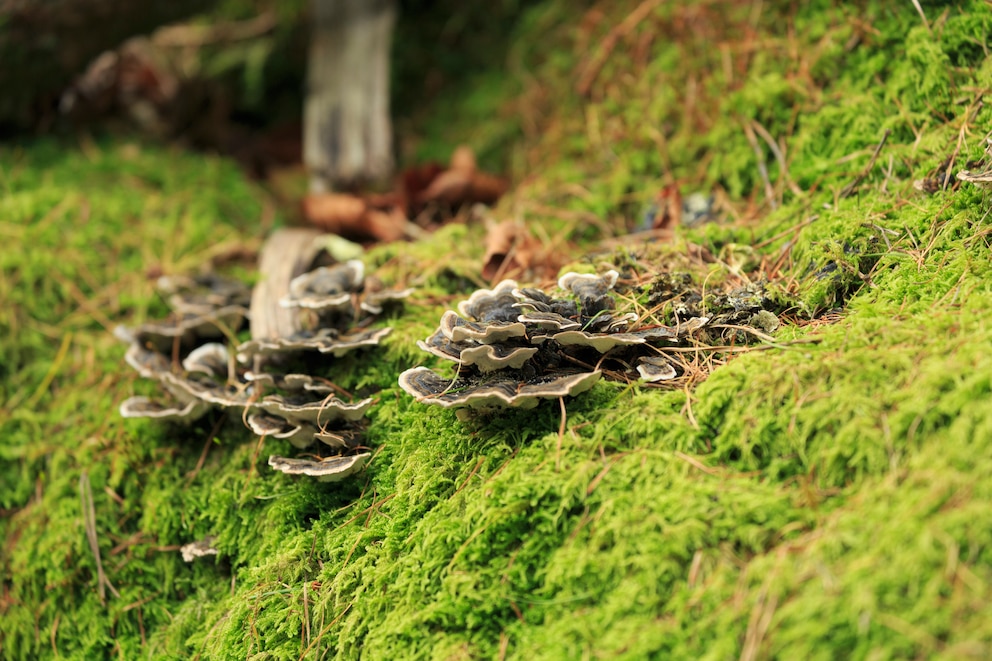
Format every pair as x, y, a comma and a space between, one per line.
514, 346
197, 372
329, 469
199, 549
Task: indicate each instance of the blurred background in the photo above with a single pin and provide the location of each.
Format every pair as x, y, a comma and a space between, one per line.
230, 76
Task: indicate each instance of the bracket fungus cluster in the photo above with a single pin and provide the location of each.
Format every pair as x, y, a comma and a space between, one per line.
196, 359
514, 346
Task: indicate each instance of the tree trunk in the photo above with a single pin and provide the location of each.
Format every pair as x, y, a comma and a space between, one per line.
347, 133
45, 43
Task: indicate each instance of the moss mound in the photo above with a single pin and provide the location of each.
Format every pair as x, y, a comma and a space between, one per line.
822, 499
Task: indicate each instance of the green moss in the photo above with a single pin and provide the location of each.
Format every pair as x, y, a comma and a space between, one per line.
820, 499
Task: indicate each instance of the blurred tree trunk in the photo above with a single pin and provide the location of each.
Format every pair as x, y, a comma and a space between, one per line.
45, 43
347, 133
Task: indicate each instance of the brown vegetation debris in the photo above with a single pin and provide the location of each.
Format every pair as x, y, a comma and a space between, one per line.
982, 177
354, 217
461, 184
940, 178
667, 209
424, 192
512, 251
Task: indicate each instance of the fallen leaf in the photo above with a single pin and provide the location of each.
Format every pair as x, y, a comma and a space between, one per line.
458, 187
667, 209
385, 226
463, 158
412, 182
510, 250
339, 213
451, 187
354, 217
486, 188
462, 183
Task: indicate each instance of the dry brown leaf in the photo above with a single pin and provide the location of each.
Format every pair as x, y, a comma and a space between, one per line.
462, 183
486, 188
669, 209
458, 187
385, 216
339, 213
451, 187
500, 238
354, 217
382, 201
463, 158
385, 226
412, 182
510, 251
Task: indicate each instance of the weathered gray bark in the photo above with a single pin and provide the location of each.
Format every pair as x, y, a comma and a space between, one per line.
45, 43
347, 133
289, 252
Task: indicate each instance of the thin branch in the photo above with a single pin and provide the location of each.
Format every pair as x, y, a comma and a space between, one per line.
849, 190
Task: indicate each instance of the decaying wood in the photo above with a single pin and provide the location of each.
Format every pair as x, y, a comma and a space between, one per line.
43, 44
347, 134
288, 253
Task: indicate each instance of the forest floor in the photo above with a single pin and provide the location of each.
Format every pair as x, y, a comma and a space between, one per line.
823, 495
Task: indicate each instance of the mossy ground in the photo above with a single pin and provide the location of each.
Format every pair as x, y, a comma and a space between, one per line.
818, 500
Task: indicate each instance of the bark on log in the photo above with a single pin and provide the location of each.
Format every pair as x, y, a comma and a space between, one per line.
45, 43
347, 133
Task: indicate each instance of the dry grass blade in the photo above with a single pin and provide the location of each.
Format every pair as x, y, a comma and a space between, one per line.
762, 165
89, 520
919, 10
592, 67
779, 156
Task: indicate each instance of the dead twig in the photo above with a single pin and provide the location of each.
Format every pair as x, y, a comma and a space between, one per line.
206, 450
474, 470
305, 633
730, 348
254, 462
760, 620
794, 229
849, 190
697, 464
55, 629
198, 36
48, 379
